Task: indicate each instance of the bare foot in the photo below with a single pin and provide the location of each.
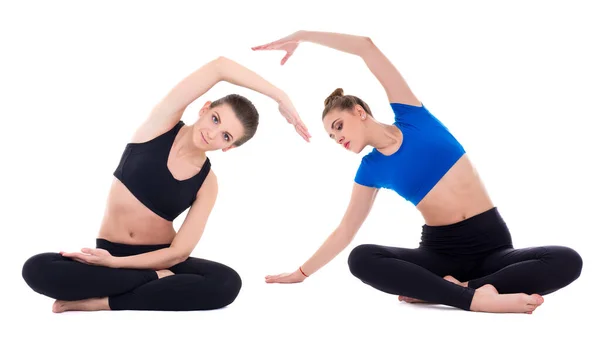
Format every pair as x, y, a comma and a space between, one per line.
92, 304
487, 299
164, 273
413, 300
455, 281
409, 300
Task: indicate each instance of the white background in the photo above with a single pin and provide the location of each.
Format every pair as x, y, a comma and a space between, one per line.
515, 81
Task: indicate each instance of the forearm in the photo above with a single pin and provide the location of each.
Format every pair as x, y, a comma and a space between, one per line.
335, 243
156, 260
203, 79
347, 43
234, 73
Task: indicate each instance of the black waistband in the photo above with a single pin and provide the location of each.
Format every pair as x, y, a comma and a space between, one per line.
120, 249
478, 234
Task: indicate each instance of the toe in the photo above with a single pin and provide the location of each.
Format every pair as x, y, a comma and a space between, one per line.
537, 299
57, 307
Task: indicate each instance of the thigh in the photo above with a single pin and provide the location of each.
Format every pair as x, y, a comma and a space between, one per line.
436, 263
58, 277
198, 266
509, 256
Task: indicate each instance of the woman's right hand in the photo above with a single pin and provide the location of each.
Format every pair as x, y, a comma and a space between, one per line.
287, 109
294, 277
288, 44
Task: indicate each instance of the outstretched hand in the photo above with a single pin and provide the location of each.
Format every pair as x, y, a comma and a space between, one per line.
287, 44
98, 257
287, 109
294, 277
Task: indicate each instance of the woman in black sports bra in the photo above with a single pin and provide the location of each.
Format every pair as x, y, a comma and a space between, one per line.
140, 262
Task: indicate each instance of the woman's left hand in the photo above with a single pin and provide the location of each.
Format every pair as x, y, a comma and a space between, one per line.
97, 257
288, 44
287, 109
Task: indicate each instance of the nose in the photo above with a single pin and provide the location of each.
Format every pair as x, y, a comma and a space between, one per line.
340, 140
211, 133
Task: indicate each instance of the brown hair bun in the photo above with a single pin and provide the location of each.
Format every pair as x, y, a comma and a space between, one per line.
339, 92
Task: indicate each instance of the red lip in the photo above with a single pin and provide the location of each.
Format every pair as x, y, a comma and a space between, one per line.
201, 134
346, 145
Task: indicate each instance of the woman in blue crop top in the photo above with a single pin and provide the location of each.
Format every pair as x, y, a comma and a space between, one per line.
465, 258
140, 261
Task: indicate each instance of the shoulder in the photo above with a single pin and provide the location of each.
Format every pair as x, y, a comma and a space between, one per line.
367, 170
210, 186
369, 159
401, 109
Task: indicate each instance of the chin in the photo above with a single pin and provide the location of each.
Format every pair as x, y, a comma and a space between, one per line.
359, 150
197, 139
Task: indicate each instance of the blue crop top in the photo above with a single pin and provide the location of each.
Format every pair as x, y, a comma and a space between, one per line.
427, 152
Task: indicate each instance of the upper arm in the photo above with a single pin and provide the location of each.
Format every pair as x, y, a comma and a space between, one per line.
192, 228
169, 110
360, 205
390, 78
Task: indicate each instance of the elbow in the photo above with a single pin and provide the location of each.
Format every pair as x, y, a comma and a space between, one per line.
367, 45
219, 60
178, 256
219, 64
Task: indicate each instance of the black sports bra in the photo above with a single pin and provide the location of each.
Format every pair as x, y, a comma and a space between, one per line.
143, 170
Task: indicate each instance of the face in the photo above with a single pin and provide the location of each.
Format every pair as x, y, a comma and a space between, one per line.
217, 128
347, 128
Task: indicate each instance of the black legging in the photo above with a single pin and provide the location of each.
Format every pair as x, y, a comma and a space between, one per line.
197, 284
478, 250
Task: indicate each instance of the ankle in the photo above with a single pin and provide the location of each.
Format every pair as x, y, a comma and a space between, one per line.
163, 273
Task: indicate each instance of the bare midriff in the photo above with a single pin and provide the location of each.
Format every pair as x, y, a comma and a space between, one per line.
459, 195
126, 220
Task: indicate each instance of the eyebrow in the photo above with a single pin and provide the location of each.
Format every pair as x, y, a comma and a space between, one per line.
334, 122
227, 132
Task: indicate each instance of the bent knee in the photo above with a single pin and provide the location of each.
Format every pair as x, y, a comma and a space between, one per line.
571, 263
361, 257
229, 287
35, 269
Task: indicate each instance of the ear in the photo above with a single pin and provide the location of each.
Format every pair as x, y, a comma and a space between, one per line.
205, 107
360, 112
228, 148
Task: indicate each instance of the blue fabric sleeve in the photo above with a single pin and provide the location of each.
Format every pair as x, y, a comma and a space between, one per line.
364, 175
402, 111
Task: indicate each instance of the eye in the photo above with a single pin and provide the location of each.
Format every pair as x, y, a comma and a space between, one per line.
226, 137
215, 119
339, 127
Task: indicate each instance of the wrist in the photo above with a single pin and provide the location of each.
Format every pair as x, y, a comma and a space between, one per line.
278, 95
114, 262
300, 35
302, 272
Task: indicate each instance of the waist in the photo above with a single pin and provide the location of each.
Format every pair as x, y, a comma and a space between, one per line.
127, 220
121, 249
125, 229
459, 195
478, 234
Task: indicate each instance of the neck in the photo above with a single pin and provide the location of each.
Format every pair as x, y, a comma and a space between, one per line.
184, 146
382, 136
